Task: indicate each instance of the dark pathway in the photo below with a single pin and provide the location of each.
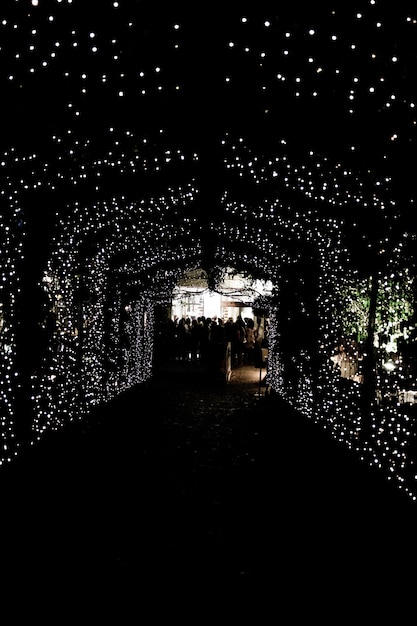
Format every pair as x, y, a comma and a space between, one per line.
187, 481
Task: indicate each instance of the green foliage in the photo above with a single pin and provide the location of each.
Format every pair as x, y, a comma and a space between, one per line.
395, 304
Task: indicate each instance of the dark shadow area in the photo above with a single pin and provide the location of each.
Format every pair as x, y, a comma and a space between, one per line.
190, 483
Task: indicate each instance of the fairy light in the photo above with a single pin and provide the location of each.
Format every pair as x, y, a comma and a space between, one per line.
103, 166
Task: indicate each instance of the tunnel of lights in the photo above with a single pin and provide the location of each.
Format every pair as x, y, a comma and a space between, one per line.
138, 145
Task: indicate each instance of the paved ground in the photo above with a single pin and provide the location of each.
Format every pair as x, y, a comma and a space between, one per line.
188, 483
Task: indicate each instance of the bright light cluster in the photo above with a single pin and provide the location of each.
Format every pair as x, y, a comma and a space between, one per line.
103, 340
11, 251
276, 237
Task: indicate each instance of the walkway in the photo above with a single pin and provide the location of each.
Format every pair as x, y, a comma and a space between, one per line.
190, 481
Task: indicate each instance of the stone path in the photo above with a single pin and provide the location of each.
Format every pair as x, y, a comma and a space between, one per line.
185, 482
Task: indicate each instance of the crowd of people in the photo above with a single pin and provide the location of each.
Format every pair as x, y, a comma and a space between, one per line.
205, 339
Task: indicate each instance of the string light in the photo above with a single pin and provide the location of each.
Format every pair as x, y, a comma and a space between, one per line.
106, 165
